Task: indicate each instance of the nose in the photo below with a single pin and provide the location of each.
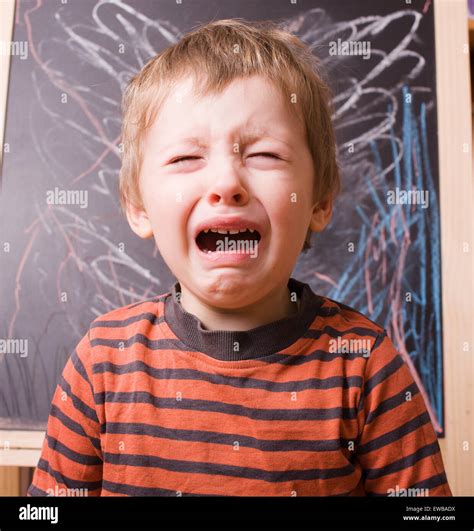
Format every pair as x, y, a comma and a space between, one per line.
228, 186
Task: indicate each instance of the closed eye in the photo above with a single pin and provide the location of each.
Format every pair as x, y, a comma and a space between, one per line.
264, 155
180, 159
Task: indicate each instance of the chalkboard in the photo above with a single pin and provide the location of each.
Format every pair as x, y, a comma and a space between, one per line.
62, 266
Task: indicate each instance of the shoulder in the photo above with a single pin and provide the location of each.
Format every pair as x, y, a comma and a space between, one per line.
351, 336
345, 319
119, 334
146, 309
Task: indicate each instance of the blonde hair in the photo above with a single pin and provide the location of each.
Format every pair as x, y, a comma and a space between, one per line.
216, 54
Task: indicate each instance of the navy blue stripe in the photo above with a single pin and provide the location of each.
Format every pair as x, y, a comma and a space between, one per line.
112, 323
430, 483
61, 448
152, 344
404, 462
316, 355
142, 397
392, 402
162, 344
70, 483
234, 381
35, 491
156, 298
73, 426
134, 490
227, 439
79, 366
335, 333
381, 375
177, 344
77, 402
343, 306
395, 434
378, 341
217, 469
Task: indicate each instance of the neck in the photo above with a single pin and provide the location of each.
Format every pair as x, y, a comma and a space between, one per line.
276, 305
253, 343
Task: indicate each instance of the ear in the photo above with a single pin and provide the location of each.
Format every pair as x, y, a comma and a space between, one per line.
138, 221
321, 216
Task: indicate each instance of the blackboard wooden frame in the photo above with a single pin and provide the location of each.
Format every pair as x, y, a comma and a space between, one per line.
22, 448
457, 230
7, 17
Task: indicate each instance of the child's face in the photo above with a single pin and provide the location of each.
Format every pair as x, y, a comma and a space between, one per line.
226, 176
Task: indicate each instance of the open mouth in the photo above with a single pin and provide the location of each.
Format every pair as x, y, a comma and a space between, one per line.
236, 241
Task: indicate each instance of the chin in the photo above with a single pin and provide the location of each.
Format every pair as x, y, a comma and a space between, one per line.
231, 291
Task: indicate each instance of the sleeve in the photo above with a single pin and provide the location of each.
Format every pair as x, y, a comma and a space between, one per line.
71, 457
398, 448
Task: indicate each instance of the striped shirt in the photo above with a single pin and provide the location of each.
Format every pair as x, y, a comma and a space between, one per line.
316, 404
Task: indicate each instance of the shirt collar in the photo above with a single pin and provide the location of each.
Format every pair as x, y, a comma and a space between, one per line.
228, 345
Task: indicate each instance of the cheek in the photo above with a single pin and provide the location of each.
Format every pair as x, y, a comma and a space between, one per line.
169, 210
287, 208
162, 197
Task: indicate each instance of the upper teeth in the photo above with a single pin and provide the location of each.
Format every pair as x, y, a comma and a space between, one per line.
233, 231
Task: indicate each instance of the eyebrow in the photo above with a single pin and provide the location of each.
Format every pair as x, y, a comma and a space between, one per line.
246, 138
190, 140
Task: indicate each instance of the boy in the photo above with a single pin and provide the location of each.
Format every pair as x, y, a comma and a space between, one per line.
235, 382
